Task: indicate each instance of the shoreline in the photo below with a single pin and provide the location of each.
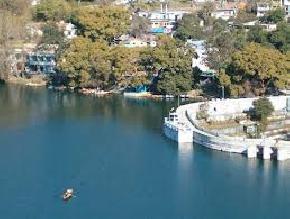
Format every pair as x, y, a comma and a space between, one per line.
29, 82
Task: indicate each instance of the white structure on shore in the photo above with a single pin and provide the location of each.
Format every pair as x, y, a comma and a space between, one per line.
182, 126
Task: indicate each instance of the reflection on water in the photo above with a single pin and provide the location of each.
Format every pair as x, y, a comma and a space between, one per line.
184, 171
112, 149
20, 105
185, 156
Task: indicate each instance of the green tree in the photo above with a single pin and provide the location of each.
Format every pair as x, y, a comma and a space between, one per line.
52, 34
281, 38
262, 109
89, 63
52, 10
86, 63
125, 67
172, 82
258, 35
260, 65
274, 16
189, 28
221, 43
172, 61
103, 22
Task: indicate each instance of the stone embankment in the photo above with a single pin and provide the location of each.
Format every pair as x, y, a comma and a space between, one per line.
35, 81
182, 126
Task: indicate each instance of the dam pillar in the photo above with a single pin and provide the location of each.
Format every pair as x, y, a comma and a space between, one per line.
281, 154
266, 153
252, 152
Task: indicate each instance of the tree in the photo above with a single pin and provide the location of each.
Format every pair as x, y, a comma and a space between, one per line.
258, 35
95, 64
103, 22
262, 109
125, 67
244, 16
172, 82
274, 16
281, 38
86, 63
172, 61
221, 43
13, 16
189, 28
140, 25
17, 7
206, 11
51, 10
259, 66
52, 34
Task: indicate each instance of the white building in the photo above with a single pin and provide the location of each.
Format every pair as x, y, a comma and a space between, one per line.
267, 27
224, 14
286, 6
262, 9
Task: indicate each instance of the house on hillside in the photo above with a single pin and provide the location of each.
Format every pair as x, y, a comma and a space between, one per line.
262, 9
251, 24
43, 63
163, 21
200, 60
225, 14
286, 6
69, 29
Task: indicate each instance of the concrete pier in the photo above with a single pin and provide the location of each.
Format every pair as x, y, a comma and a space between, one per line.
252, 152
281, 154
266, 153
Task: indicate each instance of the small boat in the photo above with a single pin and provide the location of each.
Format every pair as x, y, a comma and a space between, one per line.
68, 194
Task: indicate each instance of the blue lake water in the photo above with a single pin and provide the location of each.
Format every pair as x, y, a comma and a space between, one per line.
113, 152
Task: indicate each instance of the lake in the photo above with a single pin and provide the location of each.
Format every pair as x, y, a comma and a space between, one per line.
112, 151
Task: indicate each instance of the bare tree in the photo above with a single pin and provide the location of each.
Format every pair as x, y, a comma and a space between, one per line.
13, 15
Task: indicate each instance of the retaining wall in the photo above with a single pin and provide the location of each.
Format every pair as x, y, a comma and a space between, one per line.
187, 117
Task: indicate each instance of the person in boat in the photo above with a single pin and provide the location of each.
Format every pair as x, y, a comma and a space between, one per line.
68, 194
